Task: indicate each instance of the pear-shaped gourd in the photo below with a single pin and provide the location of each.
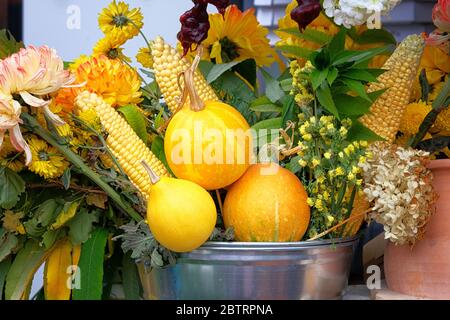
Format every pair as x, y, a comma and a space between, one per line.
181, 214
207, 142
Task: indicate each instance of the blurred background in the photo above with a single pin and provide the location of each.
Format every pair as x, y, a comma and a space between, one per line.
70, 25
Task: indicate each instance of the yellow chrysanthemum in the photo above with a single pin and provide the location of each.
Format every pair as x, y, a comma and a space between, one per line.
144, 57
90, 118
118, 16
110, 46
413, 117
237, 36
114, 81
47, 162
443, 120
9, 157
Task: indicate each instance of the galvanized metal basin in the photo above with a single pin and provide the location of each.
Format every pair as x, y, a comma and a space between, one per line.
255, 270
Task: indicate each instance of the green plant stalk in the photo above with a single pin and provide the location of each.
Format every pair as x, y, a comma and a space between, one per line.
78, 162
438, 105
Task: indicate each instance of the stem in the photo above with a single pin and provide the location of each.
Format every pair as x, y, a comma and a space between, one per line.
153, 176
79, 163
196, 102
219, 199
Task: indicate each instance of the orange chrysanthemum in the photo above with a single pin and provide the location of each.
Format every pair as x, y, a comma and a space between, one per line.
114, 81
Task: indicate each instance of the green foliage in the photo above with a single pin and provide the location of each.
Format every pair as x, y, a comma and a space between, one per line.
81, 226
4, 269
309, 34
8, 242
91, 266
11, 187
435, 144
130, 278
8, 45
158, 151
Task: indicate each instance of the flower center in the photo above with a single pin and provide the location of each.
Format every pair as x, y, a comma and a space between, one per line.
120, 20
229, 50
43, 156
113, 53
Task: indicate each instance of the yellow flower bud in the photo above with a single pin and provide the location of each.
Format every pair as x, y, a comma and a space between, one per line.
327, 155
302, 163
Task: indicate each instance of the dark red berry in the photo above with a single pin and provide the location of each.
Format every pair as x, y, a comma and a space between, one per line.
306, 12
194, 26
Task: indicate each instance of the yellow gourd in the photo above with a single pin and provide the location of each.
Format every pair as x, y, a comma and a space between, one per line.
181, 214
207, 142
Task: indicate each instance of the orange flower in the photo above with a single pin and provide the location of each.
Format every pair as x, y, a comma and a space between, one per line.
114, 81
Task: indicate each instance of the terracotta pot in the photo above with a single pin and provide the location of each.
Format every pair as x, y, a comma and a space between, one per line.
424, 270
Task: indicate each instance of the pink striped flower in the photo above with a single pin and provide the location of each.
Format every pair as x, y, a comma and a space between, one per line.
441, 15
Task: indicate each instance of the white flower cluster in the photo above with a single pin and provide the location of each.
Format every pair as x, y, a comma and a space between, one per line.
356, 12
398, 185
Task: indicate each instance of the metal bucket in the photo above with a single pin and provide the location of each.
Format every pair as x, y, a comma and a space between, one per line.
255, 270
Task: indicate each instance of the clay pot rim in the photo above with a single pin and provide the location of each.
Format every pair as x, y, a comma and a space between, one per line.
439, 163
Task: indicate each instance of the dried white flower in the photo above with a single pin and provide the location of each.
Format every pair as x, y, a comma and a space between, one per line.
399, 186
356, 12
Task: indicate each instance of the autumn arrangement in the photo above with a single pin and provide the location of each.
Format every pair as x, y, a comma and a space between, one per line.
109, 162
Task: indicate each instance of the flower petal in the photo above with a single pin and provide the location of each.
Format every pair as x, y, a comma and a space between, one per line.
32, 100
53, 117
19, 143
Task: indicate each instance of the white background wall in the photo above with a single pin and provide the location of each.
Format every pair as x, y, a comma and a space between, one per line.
46, 22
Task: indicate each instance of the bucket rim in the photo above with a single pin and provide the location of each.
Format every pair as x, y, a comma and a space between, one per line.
222, 245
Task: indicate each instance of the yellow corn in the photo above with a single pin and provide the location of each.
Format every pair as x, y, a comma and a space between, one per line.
123, 142
167, 65
387, 111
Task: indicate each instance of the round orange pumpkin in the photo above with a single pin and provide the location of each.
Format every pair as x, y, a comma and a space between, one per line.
208, 143
268, 203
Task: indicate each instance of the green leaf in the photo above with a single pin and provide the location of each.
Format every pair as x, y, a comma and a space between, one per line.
272, 123
49, 238
273, 89
435, 144
358, 132
317, 77
42, 217
8, 45
80, 226
293, 165
218, 69
296, 51
25, 264
130, 278
11, 187
65, 179
8, 242
289, 108
337, 44
91, 267
321, 59
359, 56
357, 87
424, 84
4, 269
373, 36
286, 84
263, 104
355, 106
309, 34
158, 150
326, 100
135, 119
205, 67
247, 69
359, 74
332, 75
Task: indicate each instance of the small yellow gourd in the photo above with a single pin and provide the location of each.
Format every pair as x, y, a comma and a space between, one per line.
181, 214
207, 142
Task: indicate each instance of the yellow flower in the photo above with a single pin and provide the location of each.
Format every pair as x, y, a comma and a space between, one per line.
64, 131
443, 120
330, 219
90, 118
47, 162
237, 35
350, 176
340, 171
302, 163
114, 81
144, 57
9, 157
327, 155
310, 202
110, 46
413, 117
315, 162
307, 137
435, 91
118, 16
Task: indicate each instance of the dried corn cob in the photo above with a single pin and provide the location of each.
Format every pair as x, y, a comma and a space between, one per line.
123, 142
387, 111
168, 64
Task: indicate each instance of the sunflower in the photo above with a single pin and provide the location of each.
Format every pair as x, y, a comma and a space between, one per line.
113, 80
237, 35
144, 57
118, 17
47, 161
9, 157
110, 46
413, 117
